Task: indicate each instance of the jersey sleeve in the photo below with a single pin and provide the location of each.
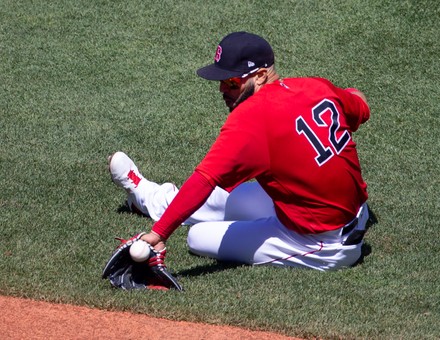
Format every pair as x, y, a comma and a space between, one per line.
240, 152
356, 110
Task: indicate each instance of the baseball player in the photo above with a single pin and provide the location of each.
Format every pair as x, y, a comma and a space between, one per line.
282, 183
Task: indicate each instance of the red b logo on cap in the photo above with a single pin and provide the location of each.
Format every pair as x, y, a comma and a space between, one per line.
218, 54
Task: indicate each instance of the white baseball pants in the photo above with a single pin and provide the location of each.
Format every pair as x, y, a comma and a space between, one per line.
242, 227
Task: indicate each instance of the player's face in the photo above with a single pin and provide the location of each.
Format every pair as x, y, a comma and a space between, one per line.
236, 90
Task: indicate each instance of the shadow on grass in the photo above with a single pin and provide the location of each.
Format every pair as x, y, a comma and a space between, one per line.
365, 251
125, 209
210, 268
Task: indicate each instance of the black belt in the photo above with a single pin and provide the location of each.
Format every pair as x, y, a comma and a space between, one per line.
356, 236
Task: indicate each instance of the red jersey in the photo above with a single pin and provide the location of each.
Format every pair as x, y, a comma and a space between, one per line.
294, 137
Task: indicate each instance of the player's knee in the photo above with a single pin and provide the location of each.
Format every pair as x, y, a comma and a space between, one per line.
195, 238
204, 238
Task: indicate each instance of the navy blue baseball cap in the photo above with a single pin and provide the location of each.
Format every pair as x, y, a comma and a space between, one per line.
238, 55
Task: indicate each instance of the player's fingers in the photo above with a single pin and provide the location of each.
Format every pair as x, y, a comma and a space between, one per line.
155, 241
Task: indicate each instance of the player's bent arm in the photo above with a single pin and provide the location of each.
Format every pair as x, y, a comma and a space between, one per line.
355, 105
194, 192
358, 93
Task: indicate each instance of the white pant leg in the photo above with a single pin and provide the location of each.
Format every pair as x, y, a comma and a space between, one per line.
267, 241
212, 210
153, 199
246, 202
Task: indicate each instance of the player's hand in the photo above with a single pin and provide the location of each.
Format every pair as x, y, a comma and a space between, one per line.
155, 240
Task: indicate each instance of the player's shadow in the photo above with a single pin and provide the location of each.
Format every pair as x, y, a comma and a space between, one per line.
209, 268
125, 209
365, 251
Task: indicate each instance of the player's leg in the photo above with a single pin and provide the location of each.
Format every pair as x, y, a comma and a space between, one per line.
151, 199
143, 196
247, 202
267, 242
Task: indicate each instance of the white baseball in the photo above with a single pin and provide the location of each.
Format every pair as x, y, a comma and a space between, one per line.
140, 251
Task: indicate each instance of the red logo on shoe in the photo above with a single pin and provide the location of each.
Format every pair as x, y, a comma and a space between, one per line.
134, 178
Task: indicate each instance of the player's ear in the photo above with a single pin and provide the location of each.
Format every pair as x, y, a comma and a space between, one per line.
261, 77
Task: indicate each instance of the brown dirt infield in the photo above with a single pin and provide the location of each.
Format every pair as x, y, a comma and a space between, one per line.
28, 319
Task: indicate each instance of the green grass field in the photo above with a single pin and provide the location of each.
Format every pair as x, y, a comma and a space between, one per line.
82, 79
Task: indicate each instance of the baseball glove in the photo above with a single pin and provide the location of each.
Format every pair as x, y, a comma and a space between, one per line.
127, 274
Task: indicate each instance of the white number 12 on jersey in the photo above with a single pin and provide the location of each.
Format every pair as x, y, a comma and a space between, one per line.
324, 153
